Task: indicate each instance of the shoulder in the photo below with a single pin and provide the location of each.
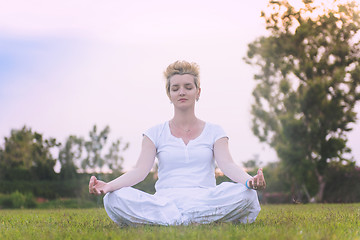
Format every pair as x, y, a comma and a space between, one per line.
214, 127
155, 132
215, 130
158, 127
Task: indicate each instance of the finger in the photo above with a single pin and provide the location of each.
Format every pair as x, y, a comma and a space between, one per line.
91, 181
250, 182
261, 175
262, 179
254, 184
91, 184
99, 192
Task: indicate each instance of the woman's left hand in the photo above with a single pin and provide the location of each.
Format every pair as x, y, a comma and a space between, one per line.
258, 181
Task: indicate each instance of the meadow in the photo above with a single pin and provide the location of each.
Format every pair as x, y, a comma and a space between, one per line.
309, 221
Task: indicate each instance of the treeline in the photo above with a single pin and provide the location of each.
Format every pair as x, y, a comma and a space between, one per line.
341, 185
27, 162
27, 174
27, 155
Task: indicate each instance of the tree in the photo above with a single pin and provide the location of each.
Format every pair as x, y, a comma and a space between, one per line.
94, 148
95, 159
113, 159
307, 87
69, 154
26, 155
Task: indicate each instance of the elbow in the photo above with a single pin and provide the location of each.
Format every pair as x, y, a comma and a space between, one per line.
141, 174
225, 167
142, 177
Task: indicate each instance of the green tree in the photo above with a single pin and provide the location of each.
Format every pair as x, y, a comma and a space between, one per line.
69, 155
307, 87
26, 155
113, 159
96, 159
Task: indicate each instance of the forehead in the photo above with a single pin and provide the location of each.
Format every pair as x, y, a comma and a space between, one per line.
182, 79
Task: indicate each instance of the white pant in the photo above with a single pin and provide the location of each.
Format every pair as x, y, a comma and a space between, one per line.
227, 202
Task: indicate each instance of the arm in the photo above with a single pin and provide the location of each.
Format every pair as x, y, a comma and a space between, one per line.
132, 177
232, 170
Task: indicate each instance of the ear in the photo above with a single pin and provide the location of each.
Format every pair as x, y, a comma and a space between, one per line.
198, 94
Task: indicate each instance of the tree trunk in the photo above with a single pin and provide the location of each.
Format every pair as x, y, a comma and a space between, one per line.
322, 185
310, 199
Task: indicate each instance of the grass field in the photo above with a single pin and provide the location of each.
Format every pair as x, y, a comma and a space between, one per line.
323, 221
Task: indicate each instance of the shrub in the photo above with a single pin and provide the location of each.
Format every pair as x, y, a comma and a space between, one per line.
5, 201
17, 200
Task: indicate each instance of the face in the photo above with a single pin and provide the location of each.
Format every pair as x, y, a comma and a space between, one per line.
183, 91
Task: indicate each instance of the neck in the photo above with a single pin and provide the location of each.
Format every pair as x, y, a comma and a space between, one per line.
184, 118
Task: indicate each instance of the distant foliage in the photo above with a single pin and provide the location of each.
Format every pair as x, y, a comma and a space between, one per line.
308, 83
69, 154
96, 159
343, 184
27, 165
26, 155
17, 200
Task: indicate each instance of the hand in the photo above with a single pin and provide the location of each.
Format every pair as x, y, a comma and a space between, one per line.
97, 187
258, 181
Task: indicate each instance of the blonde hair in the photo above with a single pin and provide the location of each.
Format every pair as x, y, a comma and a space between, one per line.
181, 68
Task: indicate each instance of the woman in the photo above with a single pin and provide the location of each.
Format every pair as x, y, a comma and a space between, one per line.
186, 148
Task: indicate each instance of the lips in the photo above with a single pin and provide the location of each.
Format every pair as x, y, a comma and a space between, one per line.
182, 99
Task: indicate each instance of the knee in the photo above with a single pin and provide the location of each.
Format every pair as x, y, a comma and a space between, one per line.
106, 199
112, 198
252, 196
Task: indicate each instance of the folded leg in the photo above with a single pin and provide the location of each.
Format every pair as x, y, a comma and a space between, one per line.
129, 206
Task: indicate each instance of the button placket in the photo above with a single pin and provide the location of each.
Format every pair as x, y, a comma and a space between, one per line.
186, 154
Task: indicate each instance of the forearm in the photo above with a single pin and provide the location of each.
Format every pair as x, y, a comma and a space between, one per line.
128, 179
235, 172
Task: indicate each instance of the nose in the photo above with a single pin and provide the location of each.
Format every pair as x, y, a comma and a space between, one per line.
182, 92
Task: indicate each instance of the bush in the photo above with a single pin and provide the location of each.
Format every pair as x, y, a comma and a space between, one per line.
342, 185
17, 200
69, 203
45, 189
5, 201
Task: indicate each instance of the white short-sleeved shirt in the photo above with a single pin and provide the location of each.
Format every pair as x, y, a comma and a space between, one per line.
181, 165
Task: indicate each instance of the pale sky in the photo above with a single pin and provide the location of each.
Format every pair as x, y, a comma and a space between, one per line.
67, 65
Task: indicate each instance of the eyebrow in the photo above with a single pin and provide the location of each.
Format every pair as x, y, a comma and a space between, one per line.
177, 85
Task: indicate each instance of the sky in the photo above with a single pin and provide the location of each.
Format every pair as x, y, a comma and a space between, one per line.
67, 65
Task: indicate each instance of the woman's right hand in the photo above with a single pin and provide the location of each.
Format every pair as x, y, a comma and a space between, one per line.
258, 181
97, 187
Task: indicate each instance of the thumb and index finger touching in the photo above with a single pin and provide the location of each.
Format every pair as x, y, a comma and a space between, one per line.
92, 183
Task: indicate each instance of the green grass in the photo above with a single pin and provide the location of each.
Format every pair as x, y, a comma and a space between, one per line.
323, 221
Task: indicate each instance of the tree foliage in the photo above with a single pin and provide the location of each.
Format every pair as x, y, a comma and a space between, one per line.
95, 156
26, 154
27, 163
307, 86
69, 155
